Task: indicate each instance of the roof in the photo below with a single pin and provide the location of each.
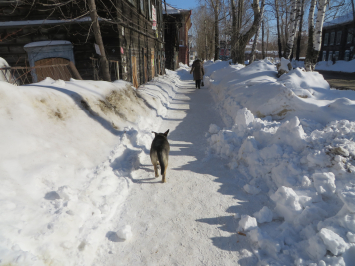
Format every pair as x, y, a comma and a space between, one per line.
339, 20
174, 11
6, 24
47, 43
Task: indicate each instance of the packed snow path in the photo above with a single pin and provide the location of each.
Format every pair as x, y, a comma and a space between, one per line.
190, 219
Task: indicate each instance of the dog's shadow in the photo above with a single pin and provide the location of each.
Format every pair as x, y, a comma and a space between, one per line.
146, 180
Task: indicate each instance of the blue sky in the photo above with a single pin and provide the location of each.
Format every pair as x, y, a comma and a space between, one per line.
183, 4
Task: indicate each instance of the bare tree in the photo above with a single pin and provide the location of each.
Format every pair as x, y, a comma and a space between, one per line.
278, 28
295, 16
315, 33
300, 32
241, 39
257, 32
215, 6
98, 38
202, 27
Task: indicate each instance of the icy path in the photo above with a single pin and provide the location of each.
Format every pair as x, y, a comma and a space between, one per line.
190, 219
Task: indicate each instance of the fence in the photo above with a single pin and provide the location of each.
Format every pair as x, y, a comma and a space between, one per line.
113, 65
26, 75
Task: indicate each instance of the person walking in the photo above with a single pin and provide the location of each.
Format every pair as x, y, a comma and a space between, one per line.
198, 70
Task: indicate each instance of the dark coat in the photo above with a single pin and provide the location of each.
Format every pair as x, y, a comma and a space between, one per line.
197, 69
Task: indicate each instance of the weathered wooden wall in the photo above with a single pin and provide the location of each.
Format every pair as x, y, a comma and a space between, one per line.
127, 29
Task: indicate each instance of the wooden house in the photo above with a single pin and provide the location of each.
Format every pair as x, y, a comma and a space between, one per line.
338, 39
38, 33
177, 24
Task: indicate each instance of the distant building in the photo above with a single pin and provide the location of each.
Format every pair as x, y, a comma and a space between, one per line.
224, 50
177, 25
338, 39
192, 50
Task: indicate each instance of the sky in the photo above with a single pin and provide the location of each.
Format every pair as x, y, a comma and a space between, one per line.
183, 4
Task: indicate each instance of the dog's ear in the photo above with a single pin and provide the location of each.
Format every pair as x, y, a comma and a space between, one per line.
155, 133
166, 133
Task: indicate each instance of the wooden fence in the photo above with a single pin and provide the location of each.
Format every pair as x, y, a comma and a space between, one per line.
26, 75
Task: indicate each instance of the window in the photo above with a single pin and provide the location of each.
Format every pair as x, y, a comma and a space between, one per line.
133, 2
326, 39
330, 56
332, 37
149, 9
324, 55
338, 37
336, 55
142, 6
347, 55
350, 38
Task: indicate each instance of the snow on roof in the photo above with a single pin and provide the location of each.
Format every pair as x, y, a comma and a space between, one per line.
46, 43
41, 22
172, 10
339, 20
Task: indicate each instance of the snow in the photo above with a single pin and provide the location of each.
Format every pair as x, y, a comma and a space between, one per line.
66, 152
46, 43
251, 189
125, 232
247, 223
340, 66
4, 75
4, 24
264, 215
261, 170
284, 66
339, 20
173, 11
293, 136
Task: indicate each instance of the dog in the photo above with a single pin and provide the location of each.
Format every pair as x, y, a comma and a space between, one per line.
159, 153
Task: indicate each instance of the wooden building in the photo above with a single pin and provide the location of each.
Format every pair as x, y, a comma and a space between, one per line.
338, 39
177, 24
44, 32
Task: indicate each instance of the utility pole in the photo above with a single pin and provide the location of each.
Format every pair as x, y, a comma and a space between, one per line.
206, 40
95, 24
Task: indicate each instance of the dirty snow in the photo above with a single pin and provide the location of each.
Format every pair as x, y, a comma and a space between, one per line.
261, 175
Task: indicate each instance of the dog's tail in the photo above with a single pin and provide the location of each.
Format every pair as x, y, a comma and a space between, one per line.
162, 160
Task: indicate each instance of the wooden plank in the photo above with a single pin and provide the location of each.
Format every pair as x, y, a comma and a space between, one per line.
152, 63
134, 72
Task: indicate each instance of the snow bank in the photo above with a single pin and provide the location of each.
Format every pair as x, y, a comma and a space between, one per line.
306, 95
4, 74
341, 66
293, 139
67, 150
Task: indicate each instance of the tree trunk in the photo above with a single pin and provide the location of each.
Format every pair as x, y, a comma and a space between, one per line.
262, 41
244, 39
216, 32
317, 42
278, 28
267, 41
295, 10
317, 36
257, 32
309, 55
353, 8
205, 42
238, 31
98, 38
234, 31
300, 33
